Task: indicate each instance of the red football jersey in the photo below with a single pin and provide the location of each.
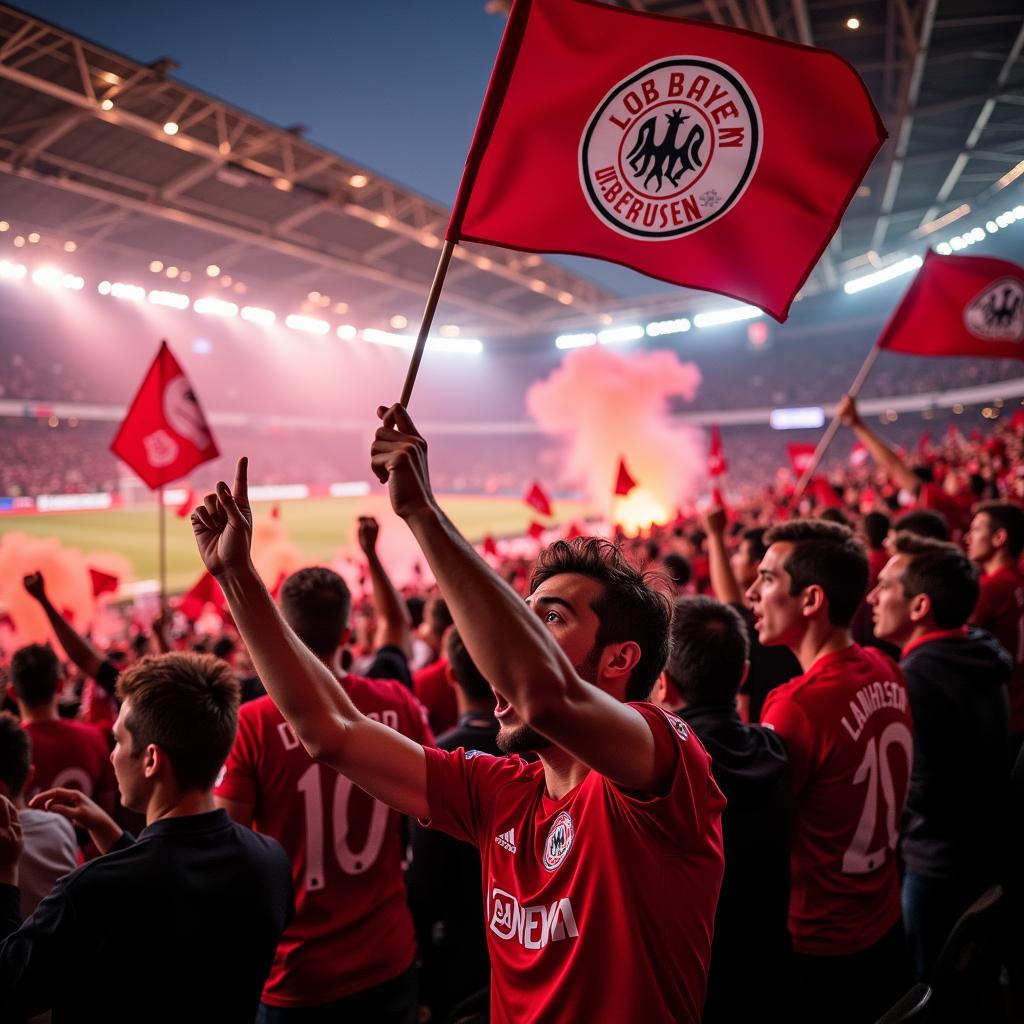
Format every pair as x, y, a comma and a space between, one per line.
847, 725
69, 754
599, 906
352, 927
1000, 611
431, 686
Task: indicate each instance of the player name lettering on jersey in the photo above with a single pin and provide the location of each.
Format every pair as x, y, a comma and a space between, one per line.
534, 927
291, 741
872, 698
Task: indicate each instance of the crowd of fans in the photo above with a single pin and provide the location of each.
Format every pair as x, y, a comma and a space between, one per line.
828, 777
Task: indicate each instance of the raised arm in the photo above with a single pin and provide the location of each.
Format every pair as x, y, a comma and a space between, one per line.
887, 458
76, 647
510, 645
383, 762
394, 623
723, 582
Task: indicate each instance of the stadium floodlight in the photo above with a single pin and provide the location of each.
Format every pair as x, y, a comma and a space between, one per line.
991, 227
256, 315
378, 337
347, 332
174, 300
215, 307
897, 269
944, 249
575, 340
309, 324
616, 335
120, 290
460, 346
662, 327
12, 271
732, 315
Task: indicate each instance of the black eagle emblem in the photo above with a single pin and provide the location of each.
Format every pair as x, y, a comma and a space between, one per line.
667, 158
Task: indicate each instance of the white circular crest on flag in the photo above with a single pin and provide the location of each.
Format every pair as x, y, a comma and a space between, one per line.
671, 148
559, 840
997, 312
182, 412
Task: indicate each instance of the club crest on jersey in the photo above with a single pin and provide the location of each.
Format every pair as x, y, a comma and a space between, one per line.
682, 730
559, 841
671, 148
997, 314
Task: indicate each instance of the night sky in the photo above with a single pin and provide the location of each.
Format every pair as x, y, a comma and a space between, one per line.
395, 86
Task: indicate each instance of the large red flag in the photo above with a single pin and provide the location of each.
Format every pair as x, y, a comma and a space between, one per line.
164, 434
536, 497
703, 155
624, 483
206, 591
800, 456
960, 306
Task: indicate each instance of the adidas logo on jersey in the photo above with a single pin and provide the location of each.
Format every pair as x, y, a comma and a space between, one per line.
507, 840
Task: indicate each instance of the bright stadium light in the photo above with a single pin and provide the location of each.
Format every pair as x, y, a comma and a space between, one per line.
173, 300
47, 277
378, 337
347, 332
120, 290
898, 269
575, 340
661, 327
309, 324
944, 249
615, 335
215, 307
256, 315
460, 346
12, 271
734, 314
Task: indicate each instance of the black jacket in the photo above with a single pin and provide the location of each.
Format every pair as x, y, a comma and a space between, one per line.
181, 925
951, 824
750, 945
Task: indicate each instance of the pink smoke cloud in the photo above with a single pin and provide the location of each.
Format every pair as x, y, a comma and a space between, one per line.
612, 405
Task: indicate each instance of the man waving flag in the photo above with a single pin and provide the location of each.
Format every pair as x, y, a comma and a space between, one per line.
702, 155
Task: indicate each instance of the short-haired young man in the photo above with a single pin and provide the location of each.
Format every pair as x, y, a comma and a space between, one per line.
444, 876
49, 847
846, 722
951, 832
349, 950
190, 914
64, 753
995, 541
603, 859
750, 950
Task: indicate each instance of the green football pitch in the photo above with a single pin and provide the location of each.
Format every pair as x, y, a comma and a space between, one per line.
318, 527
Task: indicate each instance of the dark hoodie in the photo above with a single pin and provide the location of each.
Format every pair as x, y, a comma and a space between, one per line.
958, 787
750, 947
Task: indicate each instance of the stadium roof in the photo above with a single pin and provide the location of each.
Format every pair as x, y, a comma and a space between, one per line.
132, 165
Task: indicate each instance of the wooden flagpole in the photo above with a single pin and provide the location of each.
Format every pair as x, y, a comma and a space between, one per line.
833, 427
428, 318
163, 547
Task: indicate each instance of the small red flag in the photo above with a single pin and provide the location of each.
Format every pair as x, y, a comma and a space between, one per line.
686, 168
490, 545
275, 512
924, 442
859, 455
206, 591
164, 434
535, 529
574, 531
717, 465
952, 431
1017, 420
824, 493
186, 506
800, 456
960, 306
536, 497
624, 483
103, 582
